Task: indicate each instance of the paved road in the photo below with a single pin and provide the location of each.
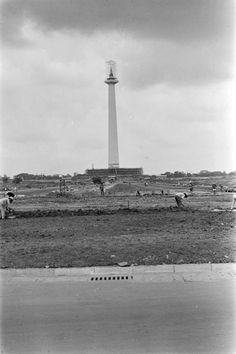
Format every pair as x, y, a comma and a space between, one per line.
117, 317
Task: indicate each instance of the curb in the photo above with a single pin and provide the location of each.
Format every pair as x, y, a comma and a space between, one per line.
160, 273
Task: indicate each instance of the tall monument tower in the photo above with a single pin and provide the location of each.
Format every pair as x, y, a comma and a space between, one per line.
113, 154
111, 80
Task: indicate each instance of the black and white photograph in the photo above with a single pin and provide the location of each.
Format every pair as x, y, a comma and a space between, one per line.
117, 177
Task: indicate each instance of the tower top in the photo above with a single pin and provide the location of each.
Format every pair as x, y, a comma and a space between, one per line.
111, 73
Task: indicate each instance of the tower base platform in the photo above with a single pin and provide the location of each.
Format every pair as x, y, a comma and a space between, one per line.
108, 172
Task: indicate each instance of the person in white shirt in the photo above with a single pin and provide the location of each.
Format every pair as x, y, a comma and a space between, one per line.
233, 201
179, 199
5, 203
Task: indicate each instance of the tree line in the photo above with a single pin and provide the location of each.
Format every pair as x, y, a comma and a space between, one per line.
177, 174
203, 173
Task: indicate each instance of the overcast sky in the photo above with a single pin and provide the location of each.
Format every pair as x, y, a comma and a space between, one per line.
175, 65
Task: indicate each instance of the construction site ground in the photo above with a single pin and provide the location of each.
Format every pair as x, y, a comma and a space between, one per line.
84, 229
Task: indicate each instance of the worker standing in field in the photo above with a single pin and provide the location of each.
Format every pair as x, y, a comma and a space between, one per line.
191, 187
214, 186
179, 199
5, 203
233, 201
102, 189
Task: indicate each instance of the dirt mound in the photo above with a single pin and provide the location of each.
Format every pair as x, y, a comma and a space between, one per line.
125, 188
80, 212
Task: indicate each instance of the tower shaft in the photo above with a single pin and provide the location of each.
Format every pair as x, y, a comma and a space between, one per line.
111, 81
113, 154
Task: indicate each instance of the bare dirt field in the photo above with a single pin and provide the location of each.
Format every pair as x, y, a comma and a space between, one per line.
85, 229
151, 237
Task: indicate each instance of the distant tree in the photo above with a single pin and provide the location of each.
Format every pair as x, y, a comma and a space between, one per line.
55, 176
5, 179
179, 174
168, 174
97, 180
205, 173
17, 179
25, 176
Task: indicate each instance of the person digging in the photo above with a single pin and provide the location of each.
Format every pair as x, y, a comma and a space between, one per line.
5, 204
179, 199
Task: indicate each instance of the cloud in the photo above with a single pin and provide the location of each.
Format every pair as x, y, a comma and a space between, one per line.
50, 99
174, 61
146, 64
182, 20
184, 42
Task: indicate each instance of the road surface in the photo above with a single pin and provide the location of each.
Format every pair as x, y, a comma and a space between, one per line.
50, 316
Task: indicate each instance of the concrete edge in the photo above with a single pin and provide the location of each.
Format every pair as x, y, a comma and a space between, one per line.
149, 271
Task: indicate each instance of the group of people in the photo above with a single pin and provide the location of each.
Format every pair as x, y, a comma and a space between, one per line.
6, 201
180, 196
